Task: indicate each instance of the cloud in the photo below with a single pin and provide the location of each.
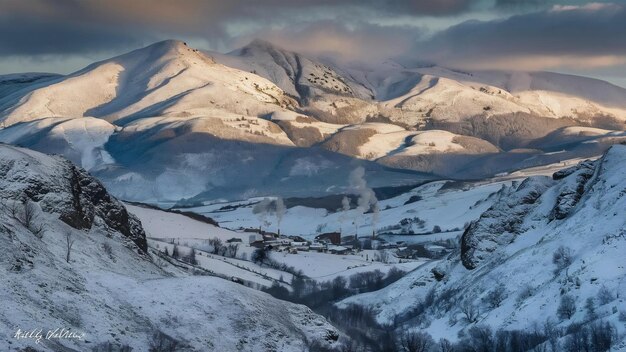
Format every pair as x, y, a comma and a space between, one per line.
557, 34
78, 26
592, 35
357, 42
28, 36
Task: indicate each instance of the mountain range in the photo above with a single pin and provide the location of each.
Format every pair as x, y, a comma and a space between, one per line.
169, 122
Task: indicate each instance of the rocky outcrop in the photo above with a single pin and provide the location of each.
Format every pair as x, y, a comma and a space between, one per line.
59, 187
502, 222
572, 189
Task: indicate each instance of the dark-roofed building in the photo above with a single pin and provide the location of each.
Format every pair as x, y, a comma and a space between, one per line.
332, 237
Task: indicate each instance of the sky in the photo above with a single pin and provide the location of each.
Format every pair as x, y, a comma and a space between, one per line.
570, 36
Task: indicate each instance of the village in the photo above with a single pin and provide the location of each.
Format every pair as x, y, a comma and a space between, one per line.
335, 243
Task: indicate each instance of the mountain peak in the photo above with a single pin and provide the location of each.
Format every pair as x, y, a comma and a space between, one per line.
259, 45
168, 46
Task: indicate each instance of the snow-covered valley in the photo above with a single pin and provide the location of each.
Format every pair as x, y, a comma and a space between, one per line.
275, 201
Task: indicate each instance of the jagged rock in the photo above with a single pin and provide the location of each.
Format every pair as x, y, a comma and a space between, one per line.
502, 222
563, 173
572, 189
61, 188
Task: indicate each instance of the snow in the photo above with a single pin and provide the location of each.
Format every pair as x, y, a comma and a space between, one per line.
164, 225
120, 294
597, 248
450, 207
200, 111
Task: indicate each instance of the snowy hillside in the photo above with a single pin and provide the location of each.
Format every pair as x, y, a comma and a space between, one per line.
548, 251
75, 259
169, 122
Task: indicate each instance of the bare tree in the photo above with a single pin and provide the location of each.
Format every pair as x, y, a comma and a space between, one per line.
191, 257
562, 258
69, 243
567, 307
445, 346
412, 341
605, 295
25, 212
232, 249
217, 245
496, 296
161, 342
470, 311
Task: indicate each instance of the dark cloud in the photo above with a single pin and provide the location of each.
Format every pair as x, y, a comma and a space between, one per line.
589, 35
28, 36
550, 36
357, 42
77, 26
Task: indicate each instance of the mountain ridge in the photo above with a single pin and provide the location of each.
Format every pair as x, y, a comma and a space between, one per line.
184, 105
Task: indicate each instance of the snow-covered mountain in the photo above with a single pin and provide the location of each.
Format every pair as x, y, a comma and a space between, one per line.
108, 289
547, 253
167, 121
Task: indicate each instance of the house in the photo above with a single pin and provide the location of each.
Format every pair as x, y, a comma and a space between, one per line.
337, 249
257, 244
316, 246
268, 237
297, 238
255, 238
332, 237
436, 250
285, 241
405, 253
387, 246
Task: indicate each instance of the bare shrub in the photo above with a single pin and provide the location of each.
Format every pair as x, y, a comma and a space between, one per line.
567, 307
496, 296
470, 311
25, 212
161, 342
524, 293
605, 296
111, 347
412, 341
562, 258
232, 249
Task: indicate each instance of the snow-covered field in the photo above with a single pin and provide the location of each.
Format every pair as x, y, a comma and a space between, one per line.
162, 228
447, 204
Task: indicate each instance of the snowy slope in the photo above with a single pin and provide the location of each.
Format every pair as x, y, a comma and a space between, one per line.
296, 74
81, 140
512, 244
410, 95
162, 228
450, 205
168, 122
112, 290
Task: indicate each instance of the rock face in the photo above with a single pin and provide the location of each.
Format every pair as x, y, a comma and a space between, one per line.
572, 189
502, 222
59, 187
